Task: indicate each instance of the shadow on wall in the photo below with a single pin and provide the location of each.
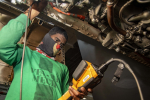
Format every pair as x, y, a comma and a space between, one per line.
126, 88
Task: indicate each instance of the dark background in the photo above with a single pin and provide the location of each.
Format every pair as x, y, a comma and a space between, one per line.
126, 88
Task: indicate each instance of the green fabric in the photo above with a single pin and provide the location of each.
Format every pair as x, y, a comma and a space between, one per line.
43, 78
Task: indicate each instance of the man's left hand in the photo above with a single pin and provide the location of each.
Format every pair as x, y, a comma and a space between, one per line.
78, 95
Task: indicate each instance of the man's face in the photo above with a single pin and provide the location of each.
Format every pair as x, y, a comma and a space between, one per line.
59, 38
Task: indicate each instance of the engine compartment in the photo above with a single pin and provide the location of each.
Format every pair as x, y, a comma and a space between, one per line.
122, 25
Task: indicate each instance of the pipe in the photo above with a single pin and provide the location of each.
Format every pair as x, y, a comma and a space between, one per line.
69, 14
122, 9
110, 18
143, 1
142, 16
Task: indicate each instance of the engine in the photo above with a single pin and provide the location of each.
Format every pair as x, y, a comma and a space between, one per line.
122, 25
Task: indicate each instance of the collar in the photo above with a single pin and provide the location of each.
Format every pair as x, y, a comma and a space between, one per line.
43, 53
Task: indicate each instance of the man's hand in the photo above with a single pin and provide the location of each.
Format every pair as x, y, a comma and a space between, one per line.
37, 7
78, 95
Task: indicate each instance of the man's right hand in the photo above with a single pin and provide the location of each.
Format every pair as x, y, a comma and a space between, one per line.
37, 7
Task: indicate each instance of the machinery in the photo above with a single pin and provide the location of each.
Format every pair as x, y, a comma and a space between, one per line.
87, 75
122, 25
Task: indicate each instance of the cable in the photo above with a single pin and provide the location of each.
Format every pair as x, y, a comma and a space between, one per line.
24, 52
128, 67
69, 14
143, 1
121, 10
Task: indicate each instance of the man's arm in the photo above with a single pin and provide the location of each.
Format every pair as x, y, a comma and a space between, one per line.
11, 33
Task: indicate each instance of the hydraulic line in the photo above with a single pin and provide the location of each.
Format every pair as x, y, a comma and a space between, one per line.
110, 18
69, 14
122, 9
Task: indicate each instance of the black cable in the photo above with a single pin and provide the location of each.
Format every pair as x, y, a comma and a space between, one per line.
121, 11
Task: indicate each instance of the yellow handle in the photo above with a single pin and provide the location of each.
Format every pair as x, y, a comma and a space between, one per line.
66, 95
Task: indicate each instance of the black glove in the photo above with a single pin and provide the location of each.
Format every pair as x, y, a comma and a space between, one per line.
38, 5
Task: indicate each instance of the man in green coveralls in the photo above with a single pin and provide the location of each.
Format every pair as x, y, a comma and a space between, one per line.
43, 78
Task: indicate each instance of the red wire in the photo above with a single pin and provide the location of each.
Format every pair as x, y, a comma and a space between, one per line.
69, 14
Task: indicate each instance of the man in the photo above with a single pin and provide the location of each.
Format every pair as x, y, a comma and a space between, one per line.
43, 78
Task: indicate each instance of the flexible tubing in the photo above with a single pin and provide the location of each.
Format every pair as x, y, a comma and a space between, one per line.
121, 10
130, 70
23, 54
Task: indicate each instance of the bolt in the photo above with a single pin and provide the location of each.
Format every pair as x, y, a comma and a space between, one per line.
124, 53
127, 35
117, 49
123, 45
127, 31
138, 39
136, 28
95, 38
131, 28
91, 35
52, 15
144, 33
135, 49
77, 28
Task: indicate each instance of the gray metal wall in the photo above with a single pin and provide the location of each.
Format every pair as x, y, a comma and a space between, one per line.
126, 88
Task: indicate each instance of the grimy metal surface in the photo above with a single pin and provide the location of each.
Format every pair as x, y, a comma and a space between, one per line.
54, 18
126, 88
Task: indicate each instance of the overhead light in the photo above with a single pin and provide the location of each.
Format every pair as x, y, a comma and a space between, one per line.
13, 1
19, 0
